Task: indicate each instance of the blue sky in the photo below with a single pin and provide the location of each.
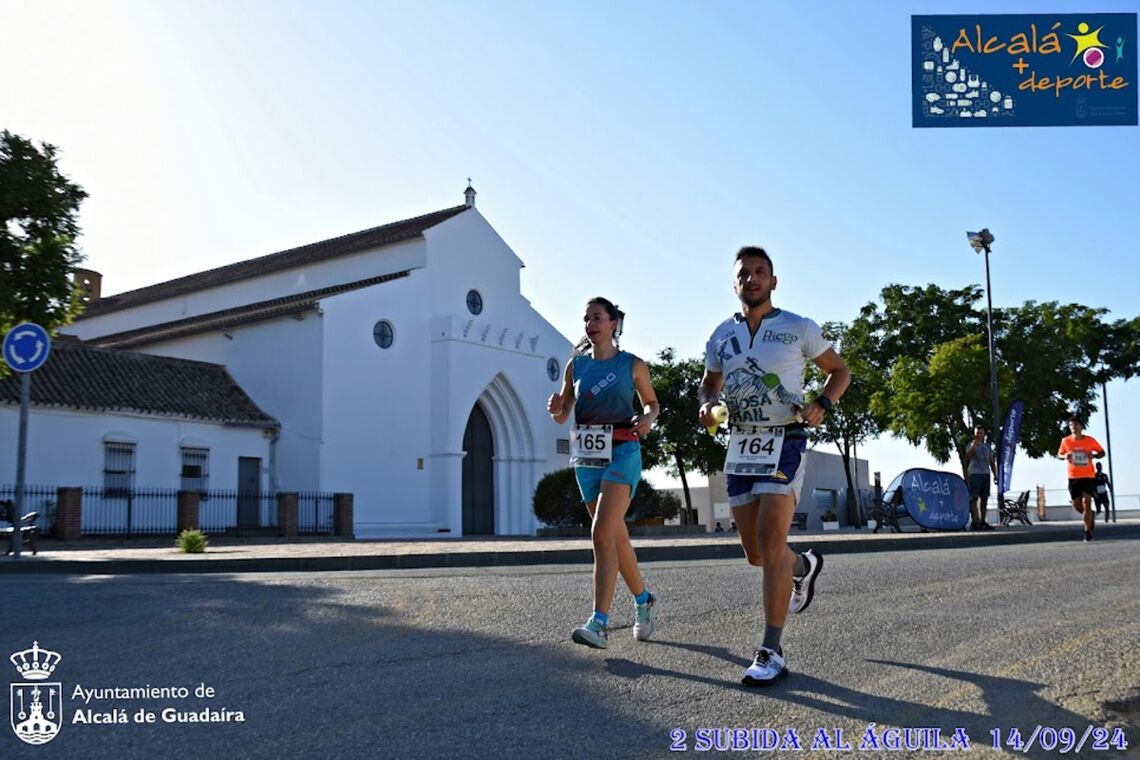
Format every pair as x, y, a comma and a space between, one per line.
624, 150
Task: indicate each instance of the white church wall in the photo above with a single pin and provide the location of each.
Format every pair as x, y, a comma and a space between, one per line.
279, 365
513, 385
465, 253
377, 406
497, 358
388, 424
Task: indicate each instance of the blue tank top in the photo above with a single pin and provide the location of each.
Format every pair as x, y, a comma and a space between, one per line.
603, 390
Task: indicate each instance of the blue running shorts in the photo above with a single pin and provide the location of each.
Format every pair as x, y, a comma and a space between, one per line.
625, 467
788, 478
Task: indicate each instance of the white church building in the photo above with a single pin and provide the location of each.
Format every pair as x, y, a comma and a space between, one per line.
402, 364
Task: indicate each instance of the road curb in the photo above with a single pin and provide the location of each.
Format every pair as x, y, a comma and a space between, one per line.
646, 553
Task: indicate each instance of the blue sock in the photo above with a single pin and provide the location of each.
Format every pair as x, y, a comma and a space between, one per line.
602, 618
643, 597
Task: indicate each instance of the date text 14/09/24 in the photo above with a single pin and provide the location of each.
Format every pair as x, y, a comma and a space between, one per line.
877, 738
1063, 739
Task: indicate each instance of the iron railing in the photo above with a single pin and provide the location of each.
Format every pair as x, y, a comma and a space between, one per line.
130, 512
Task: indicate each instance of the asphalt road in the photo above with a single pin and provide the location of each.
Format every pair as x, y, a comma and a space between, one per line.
478, 663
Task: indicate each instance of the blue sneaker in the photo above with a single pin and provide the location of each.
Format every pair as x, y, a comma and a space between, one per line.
592, 634
643, 628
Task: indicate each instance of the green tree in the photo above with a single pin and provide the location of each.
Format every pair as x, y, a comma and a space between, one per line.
929, 347
1054, 353
678, 443
937, 402
850, 422
38, 227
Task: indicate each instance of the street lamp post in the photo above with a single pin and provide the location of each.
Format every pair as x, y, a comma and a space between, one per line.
1108, 442
980, 242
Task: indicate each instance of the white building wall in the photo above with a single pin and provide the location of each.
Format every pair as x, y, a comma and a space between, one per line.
279, 365
394, 258
377, 407
65, 447
466, 253
512, 387
387, 425
498, 359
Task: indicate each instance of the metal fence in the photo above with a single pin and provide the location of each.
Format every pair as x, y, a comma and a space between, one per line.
129, 511
236, 512
314, 513
154, 511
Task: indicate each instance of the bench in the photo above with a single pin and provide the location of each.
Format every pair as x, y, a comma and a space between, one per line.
1011, 509
28, 528
799, 520
887, 513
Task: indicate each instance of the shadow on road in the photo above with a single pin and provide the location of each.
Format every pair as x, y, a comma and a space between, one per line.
317, 672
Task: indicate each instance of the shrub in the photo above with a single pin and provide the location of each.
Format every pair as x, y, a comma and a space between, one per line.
191, 542
649, 502
557, 501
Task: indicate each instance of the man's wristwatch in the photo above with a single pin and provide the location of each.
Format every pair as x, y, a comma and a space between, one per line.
825, 402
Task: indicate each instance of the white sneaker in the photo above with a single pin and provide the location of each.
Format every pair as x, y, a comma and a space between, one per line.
643, 628
767, 667
803, 587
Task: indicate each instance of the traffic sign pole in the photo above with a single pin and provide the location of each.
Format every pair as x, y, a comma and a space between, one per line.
21, 457
26, 348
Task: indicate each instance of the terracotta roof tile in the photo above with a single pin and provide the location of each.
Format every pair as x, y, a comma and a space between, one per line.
275, 262
79, 376
240, 315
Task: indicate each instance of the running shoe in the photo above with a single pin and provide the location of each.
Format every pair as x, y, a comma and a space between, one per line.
803, 587
643, 628
767, 667
592, 634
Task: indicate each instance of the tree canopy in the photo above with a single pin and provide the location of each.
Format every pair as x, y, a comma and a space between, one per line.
926, 348
679, 443
38, 228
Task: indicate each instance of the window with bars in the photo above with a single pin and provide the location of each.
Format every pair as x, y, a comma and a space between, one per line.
826, 499
195, 470
118, 468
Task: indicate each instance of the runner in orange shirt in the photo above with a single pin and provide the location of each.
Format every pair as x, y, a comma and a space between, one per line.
1079, 450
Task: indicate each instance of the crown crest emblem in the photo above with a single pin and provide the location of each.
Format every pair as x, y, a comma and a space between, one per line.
35, 664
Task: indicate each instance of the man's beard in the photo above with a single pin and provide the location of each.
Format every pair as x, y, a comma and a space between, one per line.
755, 301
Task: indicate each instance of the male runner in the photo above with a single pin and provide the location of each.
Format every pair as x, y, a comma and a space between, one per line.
1079, 450
757, 358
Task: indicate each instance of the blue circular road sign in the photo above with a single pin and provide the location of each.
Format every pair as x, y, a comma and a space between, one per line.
26, 347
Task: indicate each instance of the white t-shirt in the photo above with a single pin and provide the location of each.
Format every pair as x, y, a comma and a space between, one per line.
764, 374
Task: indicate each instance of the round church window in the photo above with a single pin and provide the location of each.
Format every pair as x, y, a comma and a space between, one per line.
383, 333
552, 368
474, 302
